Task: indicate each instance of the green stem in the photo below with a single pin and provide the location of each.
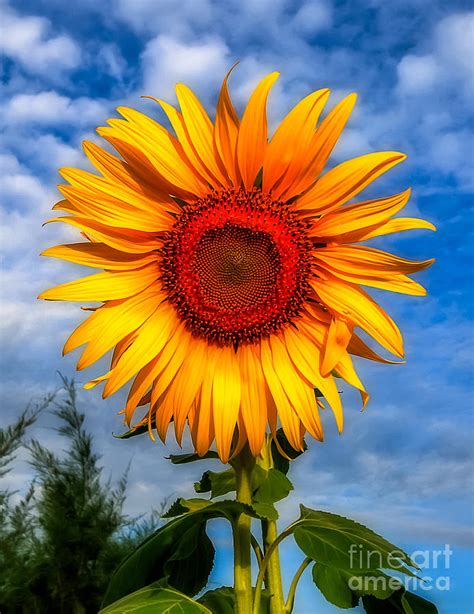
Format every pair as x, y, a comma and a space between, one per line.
263, 567
291, 593
243, 466
273, 571
269, 534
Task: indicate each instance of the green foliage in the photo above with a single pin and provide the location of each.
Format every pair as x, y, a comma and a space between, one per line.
400, 602
156, 599
61, 543
217, 483
343, 543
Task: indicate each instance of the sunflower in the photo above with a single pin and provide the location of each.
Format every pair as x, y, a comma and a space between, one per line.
230, 289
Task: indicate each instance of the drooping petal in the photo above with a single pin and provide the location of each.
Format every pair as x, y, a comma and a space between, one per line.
252, 138
339, 334
352, 303
288, 417
305, 352
345, 181
296, 389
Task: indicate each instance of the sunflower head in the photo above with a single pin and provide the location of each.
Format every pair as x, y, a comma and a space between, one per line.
230, 290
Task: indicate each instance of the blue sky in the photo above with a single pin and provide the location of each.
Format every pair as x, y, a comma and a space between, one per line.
405, 465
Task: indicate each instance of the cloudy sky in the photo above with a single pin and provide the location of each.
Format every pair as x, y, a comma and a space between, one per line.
405, 465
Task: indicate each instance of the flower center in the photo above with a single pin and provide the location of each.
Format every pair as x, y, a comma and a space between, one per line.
235, 266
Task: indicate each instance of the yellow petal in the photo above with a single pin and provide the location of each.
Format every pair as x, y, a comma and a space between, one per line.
106, 286
252, 139
160, 148
304, 348
295, 388
359, 348
345, 181
323, 142
100, 256
253, 404
288, 149
226, 133
132, 241
109, 324
345, 369
149, 341
355, 305
116, 213
225, 400
339, 334
203, 431
135, 198
358, 259
396, 225
392, 282
288, 416
186, 385
359, 216
201, 132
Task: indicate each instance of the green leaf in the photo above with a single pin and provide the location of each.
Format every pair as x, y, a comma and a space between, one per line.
343, 543
181, 459
227, 508
282, 463
400, 602
221, 601
333, 584
272, 485
180, 551
217, 483
344, 588
267, 511
153, 599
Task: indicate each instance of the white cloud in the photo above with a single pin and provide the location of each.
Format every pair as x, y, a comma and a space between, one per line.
313, 17
50, 108
164, 15
418, 73
449, 63
167, 61
28, 41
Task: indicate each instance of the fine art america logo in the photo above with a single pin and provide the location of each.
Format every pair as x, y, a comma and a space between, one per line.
432, 565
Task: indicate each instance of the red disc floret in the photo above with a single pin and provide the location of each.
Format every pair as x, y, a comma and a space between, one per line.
235, 266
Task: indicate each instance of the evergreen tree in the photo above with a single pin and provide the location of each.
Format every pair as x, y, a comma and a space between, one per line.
61, 543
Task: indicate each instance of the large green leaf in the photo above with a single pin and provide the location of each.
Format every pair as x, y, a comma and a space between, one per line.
217, 483
180, 551
400, 602
344, 588
155, 599
343, 543
271, 485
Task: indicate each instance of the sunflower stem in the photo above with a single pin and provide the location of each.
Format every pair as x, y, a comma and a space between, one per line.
243, 465
269, 535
